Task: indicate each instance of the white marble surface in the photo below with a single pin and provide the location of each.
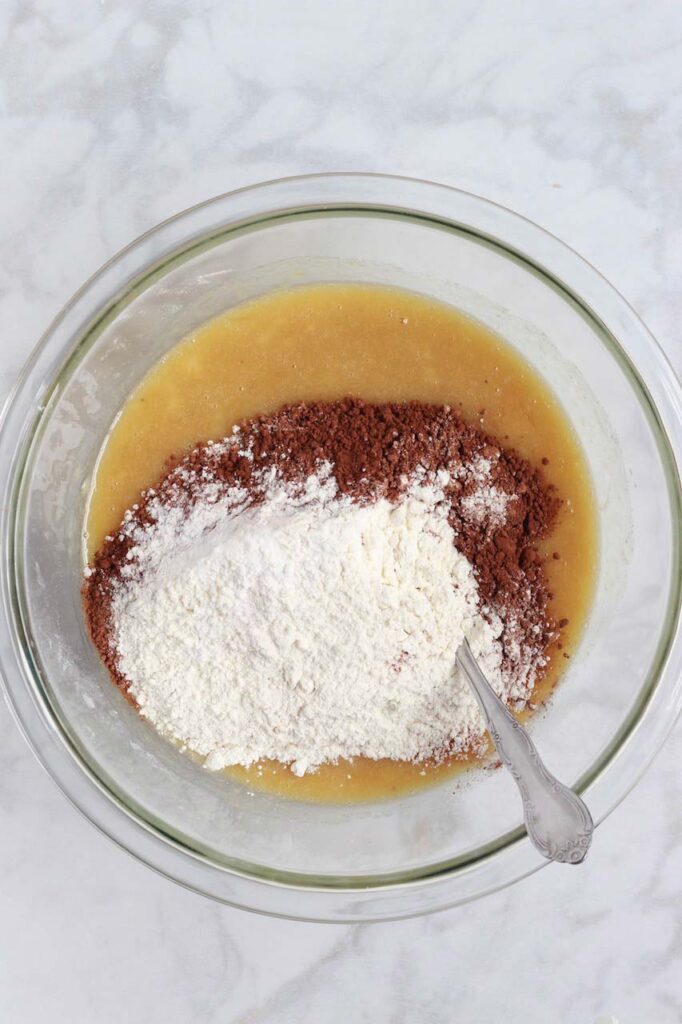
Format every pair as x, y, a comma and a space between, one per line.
115, 115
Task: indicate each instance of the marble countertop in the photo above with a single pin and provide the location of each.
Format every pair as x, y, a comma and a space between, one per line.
116, 115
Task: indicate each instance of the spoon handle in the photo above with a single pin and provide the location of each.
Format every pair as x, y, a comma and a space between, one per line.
557, 820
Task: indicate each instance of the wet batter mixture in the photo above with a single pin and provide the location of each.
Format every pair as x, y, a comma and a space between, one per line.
323, 344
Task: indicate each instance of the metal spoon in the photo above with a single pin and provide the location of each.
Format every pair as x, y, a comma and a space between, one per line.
558, 822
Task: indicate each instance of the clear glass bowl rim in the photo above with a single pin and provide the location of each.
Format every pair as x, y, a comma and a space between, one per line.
101, 297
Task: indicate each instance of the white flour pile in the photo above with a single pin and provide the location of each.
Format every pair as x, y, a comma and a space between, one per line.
305, 629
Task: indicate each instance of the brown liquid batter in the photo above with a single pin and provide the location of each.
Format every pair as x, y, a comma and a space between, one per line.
328, 342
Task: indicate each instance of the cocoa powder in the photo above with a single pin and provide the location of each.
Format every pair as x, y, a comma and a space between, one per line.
374, 451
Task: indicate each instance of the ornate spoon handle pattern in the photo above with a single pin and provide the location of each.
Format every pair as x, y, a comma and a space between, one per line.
558, 822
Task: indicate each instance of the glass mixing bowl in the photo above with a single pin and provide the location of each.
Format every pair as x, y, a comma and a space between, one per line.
618, 699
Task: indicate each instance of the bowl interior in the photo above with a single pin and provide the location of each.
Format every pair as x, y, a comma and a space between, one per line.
609, 679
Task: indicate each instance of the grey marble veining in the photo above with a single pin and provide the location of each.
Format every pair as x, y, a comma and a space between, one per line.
116, 115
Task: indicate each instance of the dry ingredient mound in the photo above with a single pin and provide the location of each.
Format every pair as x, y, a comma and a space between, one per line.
298, 590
